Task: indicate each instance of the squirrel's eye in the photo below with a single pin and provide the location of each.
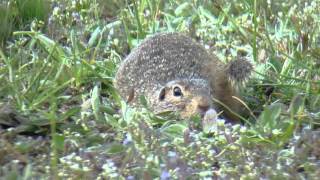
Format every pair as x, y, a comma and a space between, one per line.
177, 91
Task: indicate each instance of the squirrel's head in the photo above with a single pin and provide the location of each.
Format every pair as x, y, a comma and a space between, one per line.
187, 96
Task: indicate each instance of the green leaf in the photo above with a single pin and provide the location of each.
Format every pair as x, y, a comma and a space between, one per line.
174, 130
69, 113
183, 9
270, 115
296, 103
127, 112
58, 142
95, 103
51, 46
27, 173
94, 37
207, 14
43, 97
115, 148
77, 47
24, 147
314, 102
47, 44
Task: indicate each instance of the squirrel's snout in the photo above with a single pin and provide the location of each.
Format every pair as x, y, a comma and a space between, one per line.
198, 105
203, 108
203, 105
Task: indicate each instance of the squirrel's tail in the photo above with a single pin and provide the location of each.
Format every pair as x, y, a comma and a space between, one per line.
239, 70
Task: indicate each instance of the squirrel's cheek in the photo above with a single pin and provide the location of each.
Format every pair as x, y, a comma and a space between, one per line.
189, 109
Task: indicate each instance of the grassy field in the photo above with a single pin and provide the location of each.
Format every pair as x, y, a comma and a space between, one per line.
61, 118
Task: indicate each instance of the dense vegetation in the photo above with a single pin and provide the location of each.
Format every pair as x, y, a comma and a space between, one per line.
60, 116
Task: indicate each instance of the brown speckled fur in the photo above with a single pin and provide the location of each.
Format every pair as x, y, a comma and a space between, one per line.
168, 57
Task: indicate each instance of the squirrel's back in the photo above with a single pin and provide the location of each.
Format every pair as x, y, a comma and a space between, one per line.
167, 67
162, 58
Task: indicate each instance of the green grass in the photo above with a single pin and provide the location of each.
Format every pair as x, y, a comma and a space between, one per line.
18, 14
60, 114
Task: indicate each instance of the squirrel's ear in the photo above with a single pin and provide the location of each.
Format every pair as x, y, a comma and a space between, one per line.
130, 96
162, 94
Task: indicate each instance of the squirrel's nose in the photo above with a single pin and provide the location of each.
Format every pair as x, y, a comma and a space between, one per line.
203, 105
203, 108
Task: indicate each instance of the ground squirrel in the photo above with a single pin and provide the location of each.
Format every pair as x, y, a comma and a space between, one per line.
175, 73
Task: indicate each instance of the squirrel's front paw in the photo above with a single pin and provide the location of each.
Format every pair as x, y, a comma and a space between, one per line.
211, 121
